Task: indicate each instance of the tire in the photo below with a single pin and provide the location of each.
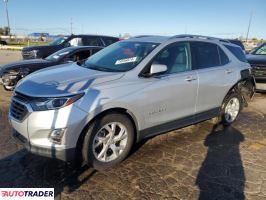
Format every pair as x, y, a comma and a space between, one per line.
101, 148
232, 105
8, 88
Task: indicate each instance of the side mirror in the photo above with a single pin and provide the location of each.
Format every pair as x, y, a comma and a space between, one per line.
67, 44
157, 69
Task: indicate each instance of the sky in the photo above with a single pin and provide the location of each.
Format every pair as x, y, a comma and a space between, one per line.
220, 18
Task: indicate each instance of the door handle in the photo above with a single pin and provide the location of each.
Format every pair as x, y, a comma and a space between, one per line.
190, 78
228, 71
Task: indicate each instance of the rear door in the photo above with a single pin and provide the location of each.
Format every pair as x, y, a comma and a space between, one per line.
214, 71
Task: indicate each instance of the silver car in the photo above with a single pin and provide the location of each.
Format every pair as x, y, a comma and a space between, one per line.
133, 89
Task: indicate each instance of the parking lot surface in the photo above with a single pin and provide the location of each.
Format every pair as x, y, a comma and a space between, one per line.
198, 162
7, 56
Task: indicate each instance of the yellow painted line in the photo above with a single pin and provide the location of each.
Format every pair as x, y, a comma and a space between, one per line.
10, 47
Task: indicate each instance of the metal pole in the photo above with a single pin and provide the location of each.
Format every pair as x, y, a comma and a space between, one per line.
250, 18
7, 16
71, 23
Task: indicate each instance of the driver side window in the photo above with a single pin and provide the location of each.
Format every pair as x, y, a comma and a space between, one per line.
176, 57
78, 56
75, 42
262, 50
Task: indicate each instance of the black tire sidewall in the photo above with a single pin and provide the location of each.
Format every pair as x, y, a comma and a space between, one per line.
87, 150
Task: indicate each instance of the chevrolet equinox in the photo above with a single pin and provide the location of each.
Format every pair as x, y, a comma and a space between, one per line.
131, 90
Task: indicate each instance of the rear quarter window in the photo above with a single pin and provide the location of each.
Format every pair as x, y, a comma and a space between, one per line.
237, 52
108, 41
223, 57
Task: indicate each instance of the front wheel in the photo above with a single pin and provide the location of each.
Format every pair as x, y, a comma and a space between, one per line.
108, 141
8, 88
231, 108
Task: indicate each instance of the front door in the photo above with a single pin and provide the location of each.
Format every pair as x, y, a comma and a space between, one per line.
172, 95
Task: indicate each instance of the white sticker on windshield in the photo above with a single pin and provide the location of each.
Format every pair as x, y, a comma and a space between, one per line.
55, 56
64, 53
126, 60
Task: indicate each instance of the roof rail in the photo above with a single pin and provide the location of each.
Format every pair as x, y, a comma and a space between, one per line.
199, 37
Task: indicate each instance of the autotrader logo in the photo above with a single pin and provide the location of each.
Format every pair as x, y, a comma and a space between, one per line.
27, 193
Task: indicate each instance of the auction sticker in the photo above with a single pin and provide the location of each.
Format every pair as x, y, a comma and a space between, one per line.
26, 193
126, 60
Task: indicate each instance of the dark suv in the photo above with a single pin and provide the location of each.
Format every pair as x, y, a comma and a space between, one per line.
11, 73
67, 41
3, 42
257, 60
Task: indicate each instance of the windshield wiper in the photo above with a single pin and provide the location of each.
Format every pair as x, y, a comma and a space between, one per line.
99, 68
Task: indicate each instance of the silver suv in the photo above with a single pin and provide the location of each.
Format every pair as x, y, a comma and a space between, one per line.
131, 90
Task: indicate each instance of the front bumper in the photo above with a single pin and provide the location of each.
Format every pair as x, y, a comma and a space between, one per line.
35, 128
67, 155
260, 84
28, 55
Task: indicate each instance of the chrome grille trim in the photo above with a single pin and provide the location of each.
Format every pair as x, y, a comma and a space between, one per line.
19, 108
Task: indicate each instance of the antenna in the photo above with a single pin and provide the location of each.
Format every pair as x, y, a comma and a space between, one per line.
7, 16
250, 18
71, 28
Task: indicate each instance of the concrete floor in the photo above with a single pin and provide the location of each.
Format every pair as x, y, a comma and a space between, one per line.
197, 162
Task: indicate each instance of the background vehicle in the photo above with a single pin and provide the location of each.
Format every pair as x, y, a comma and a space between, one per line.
67, 41
131, 90
11, 73
257, 60
238, 42
3, 42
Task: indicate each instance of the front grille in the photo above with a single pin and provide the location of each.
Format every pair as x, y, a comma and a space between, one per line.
22, 97
27, 54
18, 110
259, 70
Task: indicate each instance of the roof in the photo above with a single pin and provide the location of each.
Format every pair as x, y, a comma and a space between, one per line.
149, 38
161, 39
92, 35
82, 47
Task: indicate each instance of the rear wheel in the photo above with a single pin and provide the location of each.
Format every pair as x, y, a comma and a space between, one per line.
108, 141
231, 108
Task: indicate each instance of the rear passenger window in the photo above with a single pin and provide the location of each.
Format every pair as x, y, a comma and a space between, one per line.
108, 41
205, 55
237, 52
92, 41
223, 57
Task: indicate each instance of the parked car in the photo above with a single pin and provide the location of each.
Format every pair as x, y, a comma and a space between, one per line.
237, 42
3, 42
33, 52
133, 89
11, 73
257, 60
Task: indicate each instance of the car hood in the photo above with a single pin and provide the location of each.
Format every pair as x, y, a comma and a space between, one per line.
31, 48
63, 81
256, 59
24, 63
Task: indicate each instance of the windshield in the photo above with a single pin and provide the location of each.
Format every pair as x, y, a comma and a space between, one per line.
120, 56
58, 55
58, 41
260, 50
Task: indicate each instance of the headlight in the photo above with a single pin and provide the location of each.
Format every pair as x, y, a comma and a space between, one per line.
34, 53
24, 72
54, 103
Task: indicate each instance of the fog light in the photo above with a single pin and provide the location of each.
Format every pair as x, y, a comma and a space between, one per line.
57, 134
